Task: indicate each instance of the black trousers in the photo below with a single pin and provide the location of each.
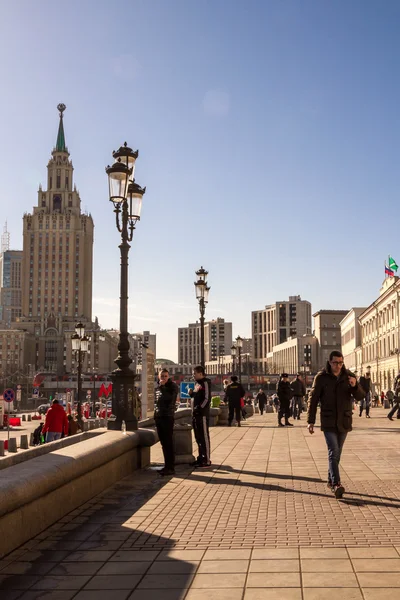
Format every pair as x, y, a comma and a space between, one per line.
284, 410
234, 409
202, 436
261, 406
165, 430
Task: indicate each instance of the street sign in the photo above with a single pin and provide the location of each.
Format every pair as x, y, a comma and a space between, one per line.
35, 392
185, 387
9, 395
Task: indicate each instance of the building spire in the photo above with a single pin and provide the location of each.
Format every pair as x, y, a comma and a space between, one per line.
60, 146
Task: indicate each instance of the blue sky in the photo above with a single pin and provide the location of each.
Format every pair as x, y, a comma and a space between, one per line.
268, 134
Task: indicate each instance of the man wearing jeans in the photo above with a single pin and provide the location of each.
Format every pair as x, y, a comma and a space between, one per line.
365, 383
56, 422
334, 388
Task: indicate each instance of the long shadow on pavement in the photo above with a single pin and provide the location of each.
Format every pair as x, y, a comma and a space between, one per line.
213, 480
94, 551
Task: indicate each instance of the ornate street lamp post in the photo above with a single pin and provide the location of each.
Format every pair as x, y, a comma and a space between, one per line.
233, 355
239, 345
80, 345
127, 196
202, 292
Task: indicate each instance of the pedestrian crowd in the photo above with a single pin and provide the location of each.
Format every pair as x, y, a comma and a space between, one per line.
335, 391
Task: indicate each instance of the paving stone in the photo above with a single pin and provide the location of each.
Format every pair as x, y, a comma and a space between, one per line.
335, 580
379, 580
218, 594
228, 554
220, 580
180, 555
164, 581
323, 553
326, 565
113, 582
274, 566
273, 594
46, 595
276, 580
275, 553
174, 566
376, 564
388, 552
223, 566
60, 582
155, 595
102, 595
379, 594
124, 568
327, 593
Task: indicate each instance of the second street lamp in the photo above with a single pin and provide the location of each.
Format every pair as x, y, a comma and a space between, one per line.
202, 292
127, 196
239, 345
233, 355
80, 345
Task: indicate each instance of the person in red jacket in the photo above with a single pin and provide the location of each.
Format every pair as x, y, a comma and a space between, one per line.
56, 422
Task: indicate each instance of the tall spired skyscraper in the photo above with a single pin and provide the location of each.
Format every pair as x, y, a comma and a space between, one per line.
57, 260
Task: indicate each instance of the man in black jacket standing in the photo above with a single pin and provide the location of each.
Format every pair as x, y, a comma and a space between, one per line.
234, 393
284, 392
164, 411
334, 388
201, 416
298, 391
365, 383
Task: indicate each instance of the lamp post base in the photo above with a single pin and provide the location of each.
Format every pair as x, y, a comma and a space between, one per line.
125, 401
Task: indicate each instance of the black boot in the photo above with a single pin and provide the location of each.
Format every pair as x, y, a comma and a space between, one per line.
280, 424
288, 424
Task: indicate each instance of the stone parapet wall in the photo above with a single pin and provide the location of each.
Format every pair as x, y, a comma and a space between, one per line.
37, 493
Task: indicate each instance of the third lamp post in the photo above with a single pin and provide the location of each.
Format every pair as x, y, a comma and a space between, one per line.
239, 345
80, 346
202, 291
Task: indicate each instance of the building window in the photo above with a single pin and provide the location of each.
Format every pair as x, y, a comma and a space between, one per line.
58, 181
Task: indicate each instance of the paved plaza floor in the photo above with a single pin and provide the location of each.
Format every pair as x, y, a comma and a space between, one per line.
260, 524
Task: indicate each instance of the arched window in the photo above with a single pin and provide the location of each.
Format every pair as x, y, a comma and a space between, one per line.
56, 203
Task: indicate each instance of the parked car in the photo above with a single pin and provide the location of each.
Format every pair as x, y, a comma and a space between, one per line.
42, 409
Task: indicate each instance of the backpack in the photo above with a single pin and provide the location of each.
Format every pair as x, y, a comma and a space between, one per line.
36, 434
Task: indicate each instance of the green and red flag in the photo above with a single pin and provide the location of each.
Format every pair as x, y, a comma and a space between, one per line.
392, 264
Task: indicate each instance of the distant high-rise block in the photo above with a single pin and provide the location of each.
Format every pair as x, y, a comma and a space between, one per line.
277, 322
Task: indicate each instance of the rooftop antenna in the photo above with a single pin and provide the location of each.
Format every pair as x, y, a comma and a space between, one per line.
5, 239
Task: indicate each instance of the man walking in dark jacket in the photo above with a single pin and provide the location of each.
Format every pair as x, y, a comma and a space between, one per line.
334, 388
164, 411
365, 383
234, 393
261, 398
395, 399
201, 416
298, 391
284, 394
